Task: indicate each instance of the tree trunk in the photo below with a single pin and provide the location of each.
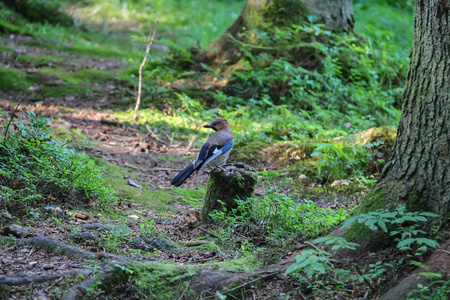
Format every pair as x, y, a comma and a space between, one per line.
418, 172
228, 183
333, 13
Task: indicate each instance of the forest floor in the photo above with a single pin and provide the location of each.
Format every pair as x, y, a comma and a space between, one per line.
129, 157
152, 221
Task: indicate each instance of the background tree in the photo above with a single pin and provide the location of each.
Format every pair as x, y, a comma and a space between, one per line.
418, 171
333, 13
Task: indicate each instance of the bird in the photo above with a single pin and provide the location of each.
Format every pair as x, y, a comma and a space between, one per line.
213, 153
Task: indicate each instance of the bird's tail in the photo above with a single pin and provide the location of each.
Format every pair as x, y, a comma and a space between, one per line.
183, 175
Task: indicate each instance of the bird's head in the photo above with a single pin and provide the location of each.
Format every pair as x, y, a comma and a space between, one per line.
218, 124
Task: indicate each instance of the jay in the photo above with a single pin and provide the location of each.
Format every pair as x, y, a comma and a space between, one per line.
213, 153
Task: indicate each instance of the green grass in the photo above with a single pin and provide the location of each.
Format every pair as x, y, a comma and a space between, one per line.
177, 23
14, 80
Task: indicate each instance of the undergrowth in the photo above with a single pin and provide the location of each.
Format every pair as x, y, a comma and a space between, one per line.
275, 219
36, 168
318, 272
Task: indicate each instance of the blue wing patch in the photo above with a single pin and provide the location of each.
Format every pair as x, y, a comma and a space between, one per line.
227, 147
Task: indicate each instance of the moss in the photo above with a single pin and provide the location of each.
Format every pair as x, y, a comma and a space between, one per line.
5, 49
64, 90
93, 75
248, 152
14, 80
285, 12
169, 280
161, 281
42, 59
115, 179
359, 233
272, 174
206, 247
40, 11
100, 51
166, 158
197, 192
8, 27
82, 76
414, 202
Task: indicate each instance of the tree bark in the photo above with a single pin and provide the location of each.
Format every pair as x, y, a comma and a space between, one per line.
333, 13
418, 171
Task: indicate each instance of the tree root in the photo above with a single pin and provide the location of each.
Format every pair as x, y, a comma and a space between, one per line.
55, 246
110, 269
23, 279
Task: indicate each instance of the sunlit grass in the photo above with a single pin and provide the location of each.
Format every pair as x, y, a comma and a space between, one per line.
384, 25
187, 23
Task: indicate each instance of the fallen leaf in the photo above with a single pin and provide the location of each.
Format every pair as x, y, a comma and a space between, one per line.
81, 216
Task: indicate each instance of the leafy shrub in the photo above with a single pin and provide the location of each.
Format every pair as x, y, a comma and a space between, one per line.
36, 168
317, 269
335, 77
338, 160
277, 216
40, 11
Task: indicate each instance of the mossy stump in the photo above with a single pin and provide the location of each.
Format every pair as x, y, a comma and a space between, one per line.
228, 183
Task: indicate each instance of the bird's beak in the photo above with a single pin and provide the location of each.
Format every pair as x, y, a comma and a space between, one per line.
210, 126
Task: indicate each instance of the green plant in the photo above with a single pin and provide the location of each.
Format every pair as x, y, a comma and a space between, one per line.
403, 226
277, 217
148, 228
318, 264
338, 160
438, 289
311, 261
35, 166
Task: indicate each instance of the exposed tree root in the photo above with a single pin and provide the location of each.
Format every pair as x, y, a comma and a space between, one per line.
55, 246
23, 279
109, 271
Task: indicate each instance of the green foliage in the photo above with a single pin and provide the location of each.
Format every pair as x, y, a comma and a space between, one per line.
14, 80
148, 229
339, 83
176, 20
338, 160
316, 265
399, 221
34, 167
311, 261
285, 12
40, 11
275, 216
438, 289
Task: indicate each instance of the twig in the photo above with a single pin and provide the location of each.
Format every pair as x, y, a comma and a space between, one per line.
153, 135
181, 297
10, 120
151, 37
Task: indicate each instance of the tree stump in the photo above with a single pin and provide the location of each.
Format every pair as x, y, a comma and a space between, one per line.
228, 183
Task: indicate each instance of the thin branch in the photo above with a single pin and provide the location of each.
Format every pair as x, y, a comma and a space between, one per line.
185, 290
10, 120
151, 37
153, 135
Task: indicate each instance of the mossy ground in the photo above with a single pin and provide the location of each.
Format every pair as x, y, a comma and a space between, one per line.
168, 280
14, 80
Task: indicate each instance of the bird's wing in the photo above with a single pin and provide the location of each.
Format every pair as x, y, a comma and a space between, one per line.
210, 152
